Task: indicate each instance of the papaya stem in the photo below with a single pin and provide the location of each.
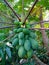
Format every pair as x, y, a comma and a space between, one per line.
12, 10
22, 15
30, 11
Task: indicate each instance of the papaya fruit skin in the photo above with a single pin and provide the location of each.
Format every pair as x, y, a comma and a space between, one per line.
21, 35
21, 41
27, 26
26, 37
19, 30
27, 45
34, 43
17, 47
30, 53
33, 35
26, 31
21, 23
16, 23
21, 52
15, 42
15, 30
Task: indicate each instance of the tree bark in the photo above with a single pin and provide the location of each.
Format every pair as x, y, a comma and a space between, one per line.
44, 35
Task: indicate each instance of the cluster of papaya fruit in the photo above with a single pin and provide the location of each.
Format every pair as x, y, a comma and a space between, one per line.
24, 41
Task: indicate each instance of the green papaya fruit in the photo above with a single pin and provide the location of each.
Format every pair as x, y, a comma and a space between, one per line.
27, 45
20, 30
15, 30
32, 35
17, 47
21, 23
15, 42
21, 35
26, 37
34, 43
21, 41
26, 31
16, 22
27, 25
21, 52
30, 53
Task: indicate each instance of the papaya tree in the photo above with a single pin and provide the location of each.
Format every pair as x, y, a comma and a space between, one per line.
21, 41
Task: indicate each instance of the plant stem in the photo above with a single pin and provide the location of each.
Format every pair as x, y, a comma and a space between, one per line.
40, 22
44, 35
12, 10
22, 15
4, 27
30, 11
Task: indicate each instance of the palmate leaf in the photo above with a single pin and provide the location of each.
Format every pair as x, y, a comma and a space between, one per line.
2, 36
18, 8
2, 7
2, 56
44, 3
8, 52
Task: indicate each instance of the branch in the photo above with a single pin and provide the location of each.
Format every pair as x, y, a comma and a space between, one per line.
30, 10
47, 53
38, 61
39, 22
23, 14
39, 28
7, 38
23, 7
30, 28
7, 23
4, 27
12, 10
6, 15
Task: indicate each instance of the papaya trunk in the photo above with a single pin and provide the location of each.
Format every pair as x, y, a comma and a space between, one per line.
44, 35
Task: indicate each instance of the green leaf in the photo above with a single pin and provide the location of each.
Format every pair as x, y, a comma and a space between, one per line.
2, 57
8, 51
2, 36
